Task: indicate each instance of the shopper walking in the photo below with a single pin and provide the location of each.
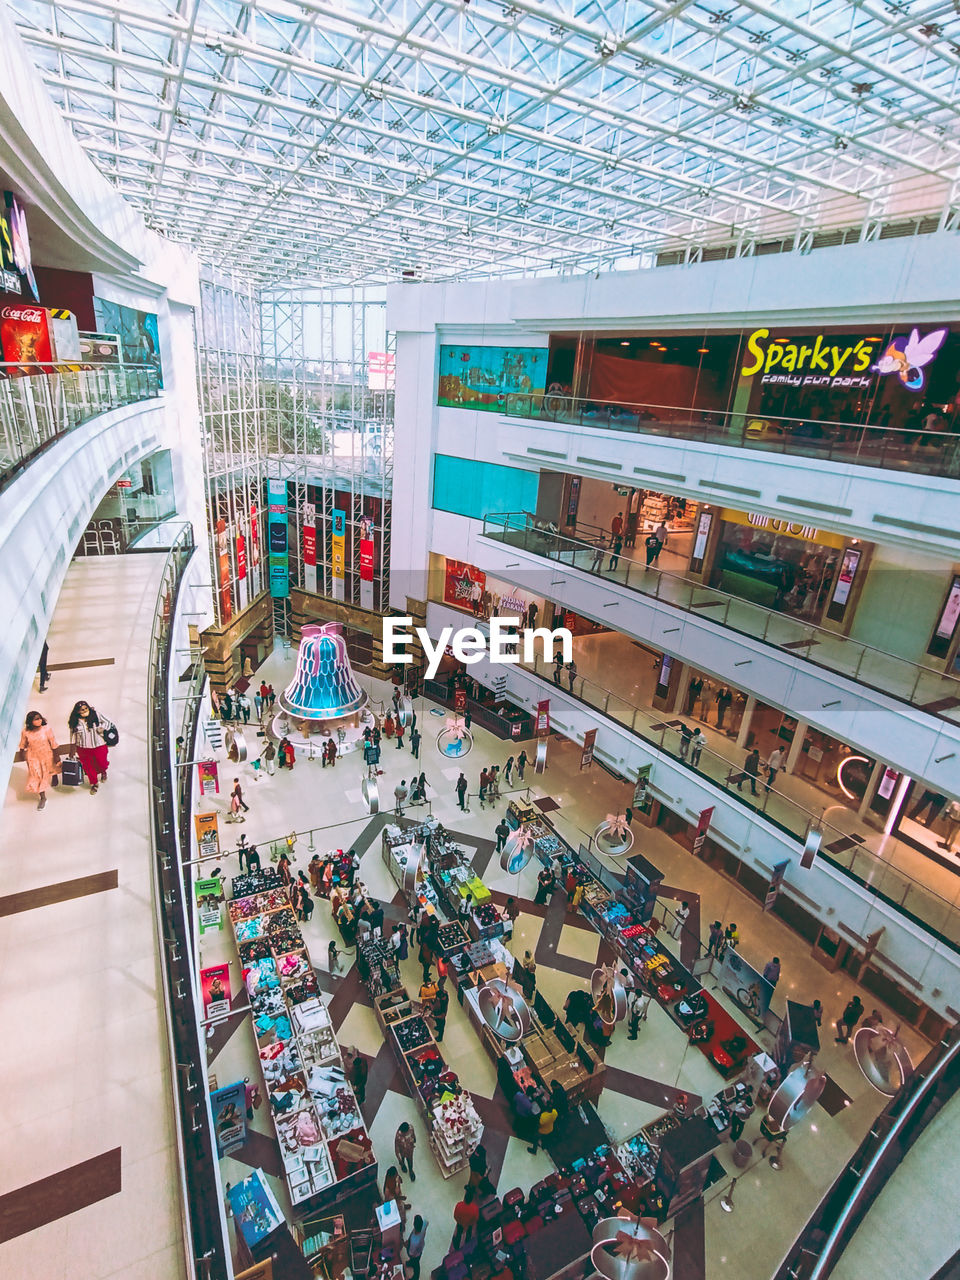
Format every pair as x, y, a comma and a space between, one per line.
731, 937
751, 770
697, 743
615, 550
461, 791
545, 1123
399, 735
358, 1078
557, 668
90, 735
415, 1242
39, 747
333, 956
393, 1190
739, 1115
501, 831
598, 549
269, 757
466, 1215
258, 703
716, 939
44, 671
237, 794
404, 1141
572, 672
441, 1003
521, 764
415, 742
651, 548
508, 771
774, 765
771, 971
848, 1020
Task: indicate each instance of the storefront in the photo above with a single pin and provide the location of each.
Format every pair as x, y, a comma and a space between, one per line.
797, 382
795, 568
842, 773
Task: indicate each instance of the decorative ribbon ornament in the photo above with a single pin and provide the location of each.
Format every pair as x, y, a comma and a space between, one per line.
517, 850
883, 1058
609, 995
504, 1010
629, 1248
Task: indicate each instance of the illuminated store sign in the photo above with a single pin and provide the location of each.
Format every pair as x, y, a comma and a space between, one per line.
822, 361
906, 357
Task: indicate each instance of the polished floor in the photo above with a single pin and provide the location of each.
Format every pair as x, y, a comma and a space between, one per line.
87, 1129
645, 1075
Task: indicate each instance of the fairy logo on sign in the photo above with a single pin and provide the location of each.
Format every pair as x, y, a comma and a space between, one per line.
815, 361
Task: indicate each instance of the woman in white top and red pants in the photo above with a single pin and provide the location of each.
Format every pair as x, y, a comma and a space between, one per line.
86, 734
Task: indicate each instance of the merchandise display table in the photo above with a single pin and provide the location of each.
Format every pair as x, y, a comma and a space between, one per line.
324, 1144
453, 1125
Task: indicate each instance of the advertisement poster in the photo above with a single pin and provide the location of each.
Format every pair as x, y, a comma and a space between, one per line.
215, 990
279, 561
16, 246
229, 1107
25, 335
137, 330
586, 753
99, 348
209, 896
702, 828
240, 547
208, 776
309, 546
366, 572
573, 500
483, 377
741, 981
460, 700
256, 1213
543, 719
773, 888
223, 571
458, 583
9, 275
338, 539
254, 551
208, 834
640, 786
700, 542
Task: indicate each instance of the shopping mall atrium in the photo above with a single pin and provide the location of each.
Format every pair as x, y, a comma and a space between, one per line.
480, 499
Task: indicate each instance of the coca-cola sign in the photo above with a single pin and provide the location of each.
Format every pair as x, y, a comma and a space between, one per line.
28, 315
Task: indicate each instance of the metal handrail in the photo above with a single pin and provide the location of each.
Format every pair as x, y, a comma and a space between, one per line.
40, 403
849, 442
868, 1180
656, 584
932, 912
204, 1226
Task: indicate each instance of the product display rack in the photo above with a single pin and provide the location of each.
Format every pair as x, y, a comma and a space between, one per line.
313, 1108
407, 1031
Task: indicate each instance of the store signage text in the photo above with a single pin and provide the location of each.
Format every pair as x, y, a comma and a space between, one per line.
808, 364
469, 645
791, 527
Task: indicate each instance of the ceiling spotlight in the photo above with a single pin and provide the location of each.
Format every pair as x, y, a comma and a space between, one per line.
606, 47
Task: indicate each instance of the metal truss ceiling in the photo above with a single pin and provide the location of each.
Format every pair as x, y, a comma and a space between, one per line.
351, 140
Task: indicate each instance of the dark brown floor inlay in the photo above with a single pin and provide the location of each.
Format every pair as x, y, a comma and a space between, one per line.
53, 1198
77, 666
13, 903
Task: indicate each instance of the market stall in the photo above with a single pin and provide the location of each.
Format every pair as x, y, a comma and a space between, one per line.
324, 1144
453, 1125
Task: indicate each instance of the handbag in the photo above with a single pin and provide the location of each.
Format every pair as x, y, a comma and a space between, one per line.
108, 732
71, 772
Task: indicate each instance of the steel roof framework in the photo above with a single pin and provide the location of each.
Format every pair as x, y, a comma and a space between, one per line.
351, 140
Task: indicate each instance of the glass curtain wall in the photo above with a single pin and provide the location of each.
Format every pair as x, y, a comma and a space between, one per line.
229, 365
327, 413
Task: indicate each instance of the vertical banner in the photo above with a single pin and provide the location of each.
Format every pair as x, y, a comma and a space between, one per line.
366, 567
223, 572
460, 700
640, 786
702, 828
586, 753
229, 1107
208, 834
543, 732
255, 583
811, 847
209, 895
208, 777
310, 545
338, 531
773, 888
277, 535
242, 585
215, 990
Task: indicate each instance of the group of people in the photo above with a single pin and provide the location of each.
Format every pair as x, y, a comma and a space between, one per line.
91, 735
417, 793
721, 938
625, 535
332, 871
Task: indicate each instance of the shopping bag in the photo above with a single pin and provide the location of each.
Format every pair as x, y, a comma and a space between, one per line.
71, 773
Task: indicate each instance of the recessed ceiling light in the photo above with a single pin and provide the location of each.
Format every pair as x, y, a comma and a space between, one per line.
702, 351
624, 343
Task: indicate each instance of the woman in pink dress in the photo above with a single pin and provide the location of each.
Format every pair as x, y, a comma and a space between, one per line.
39, 747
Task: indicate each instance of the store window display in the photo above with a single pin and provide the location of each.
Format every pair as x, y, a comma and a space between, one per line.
778, 570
